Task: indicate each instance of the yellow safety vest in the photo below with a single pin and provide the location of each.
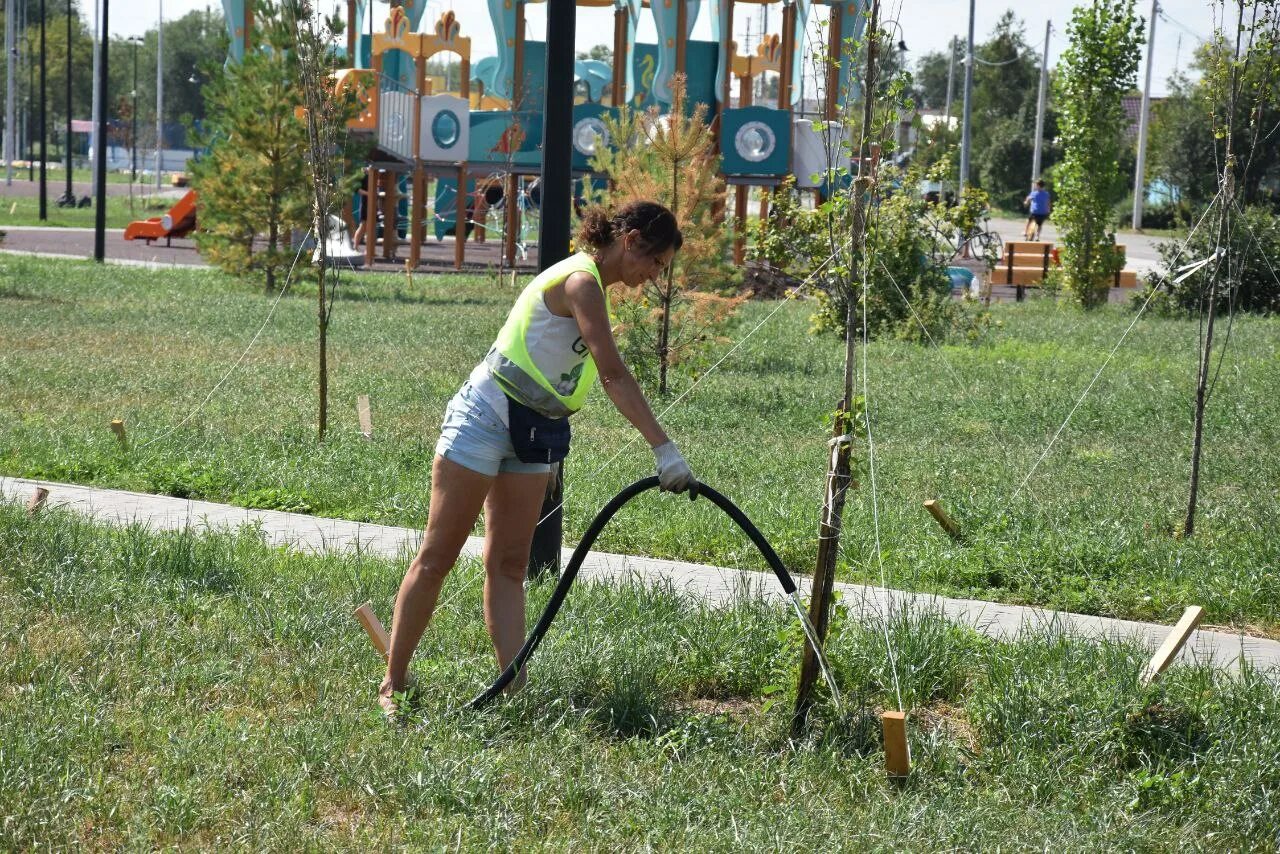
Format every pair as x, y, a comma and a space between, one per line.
513, 368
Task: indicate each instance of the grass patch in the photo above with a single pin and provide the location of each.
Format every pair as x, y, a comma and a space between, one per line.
205, 690
1090, 532
25, 210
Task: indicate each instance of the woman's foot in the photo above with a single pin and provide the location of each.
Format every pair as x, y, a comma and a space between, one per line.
396, 703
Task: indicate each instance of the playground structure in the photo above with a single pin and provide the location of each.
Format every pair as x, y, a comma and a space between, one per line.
178, 222
441, 158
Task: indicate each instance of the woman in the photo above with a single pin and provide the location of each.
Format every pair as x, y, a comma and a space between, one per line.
509, 423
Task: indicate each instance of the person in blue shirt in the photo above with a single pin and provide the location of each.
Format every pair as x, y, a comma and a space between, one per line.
1037, 202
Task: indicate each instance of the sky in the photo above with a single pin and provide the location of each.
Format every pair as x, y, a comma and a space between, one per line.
926, 25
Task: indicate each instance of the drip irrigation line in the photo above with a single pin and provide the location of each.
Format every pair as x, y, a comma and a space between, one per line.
871, 461
580, 555
636, 436
1111, 355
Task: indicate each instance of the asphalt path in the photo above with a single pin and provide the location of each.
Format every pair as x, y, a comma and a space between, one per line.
1140, 249
57, 185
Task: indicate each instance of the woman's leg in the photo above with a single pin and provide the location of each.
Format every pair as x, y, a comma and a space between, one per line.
457, 494
510, 515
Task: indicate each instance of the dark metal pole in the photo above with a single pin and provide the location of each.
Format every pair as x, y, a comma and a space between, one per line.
69, 196
100, 137
553, 231
966, 136
44, 128
133, 133
31, 93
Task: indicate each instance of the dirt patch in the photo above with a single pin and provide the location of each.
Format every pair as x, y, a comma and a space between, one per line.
951, 721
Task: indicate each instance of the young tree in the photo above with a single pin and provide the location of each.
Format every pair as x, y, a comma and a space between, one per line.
1244, 89
1098, 67
328, 151
672, 159
253, 180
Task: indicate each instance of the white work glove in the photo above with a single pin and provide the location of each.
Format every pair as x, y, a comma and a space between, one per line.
674, 474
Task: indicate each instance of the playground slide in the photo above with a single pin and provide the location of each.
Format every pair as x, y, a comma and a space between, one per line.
178, 222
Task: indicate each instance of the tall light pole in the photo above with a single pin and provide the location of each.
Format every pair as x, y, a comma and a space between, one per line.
68, 198
159, 96
133, 131
44, 126
1040, 106
100, 141
965, 131
553, 234
1139, 172
97, 65
10, 89
951, 76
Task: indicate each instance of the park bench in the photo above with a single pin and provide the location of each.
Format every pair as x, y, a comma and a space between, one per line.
1026, 264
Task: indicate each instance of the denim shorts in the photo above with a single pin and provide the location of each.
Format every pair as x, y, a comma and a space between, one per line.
473, 436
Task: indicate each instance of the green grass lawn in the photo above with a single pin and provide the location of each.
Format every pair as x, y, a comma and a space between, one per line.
21, 210
1091, 531
208, 692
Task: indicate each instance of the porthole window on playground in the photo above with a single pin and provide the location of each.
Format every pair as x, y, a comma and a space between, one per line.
589, 134
755, 141
445, 128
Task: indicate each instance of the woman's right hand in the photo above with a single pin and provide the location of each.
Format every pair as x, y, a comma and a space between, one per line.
674, 474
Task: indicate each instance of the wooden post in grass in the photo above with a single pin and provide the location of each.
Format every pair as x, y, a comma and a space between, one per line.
38, 498
948, 524
1172, 645
839, 466
897, 753
117, 427
366, 421
373, 626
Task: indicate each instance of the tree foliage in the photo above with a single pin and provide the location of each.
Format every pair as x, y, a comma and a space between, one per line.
671, 158
1187, 154
1097, 68
1006, 85
253, 180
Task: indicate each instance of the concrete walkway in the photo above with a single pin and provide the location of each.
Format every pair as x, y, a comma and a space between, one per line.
712, 584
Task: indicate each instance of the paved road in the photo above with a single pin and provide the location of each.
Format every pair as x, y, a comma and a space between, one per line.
1140, 249
437, 256
22, 188
78, 243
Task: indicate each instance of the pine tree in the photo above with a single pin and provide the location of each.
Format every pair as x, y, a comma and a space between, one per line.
254, 181
671, 159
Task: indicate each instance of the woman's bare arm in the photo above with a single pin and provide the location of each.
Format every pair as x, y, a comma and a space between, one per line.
587, 303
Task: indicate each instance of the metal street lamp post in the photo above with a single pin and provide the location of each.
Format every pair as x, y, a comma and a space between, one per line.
160, 96
68, 198
44, 127
133, 131
100, 141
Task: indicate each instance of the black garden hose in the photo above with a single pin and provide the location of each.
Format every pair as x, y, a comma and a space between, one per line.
580, 555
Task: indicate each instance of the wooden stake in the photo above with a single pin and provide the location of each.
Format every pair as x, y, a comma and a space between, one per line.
38, 498
1172, 645
948, 524
897, 753
366, 422
117, 427
371, 624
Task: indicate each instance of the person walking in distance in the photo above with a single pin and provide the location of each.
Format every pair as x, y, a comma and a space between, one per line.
1038, 204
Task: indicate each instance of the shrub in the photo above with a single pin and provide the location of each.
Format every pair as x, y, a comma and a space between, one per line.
1253, 247
909, 242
